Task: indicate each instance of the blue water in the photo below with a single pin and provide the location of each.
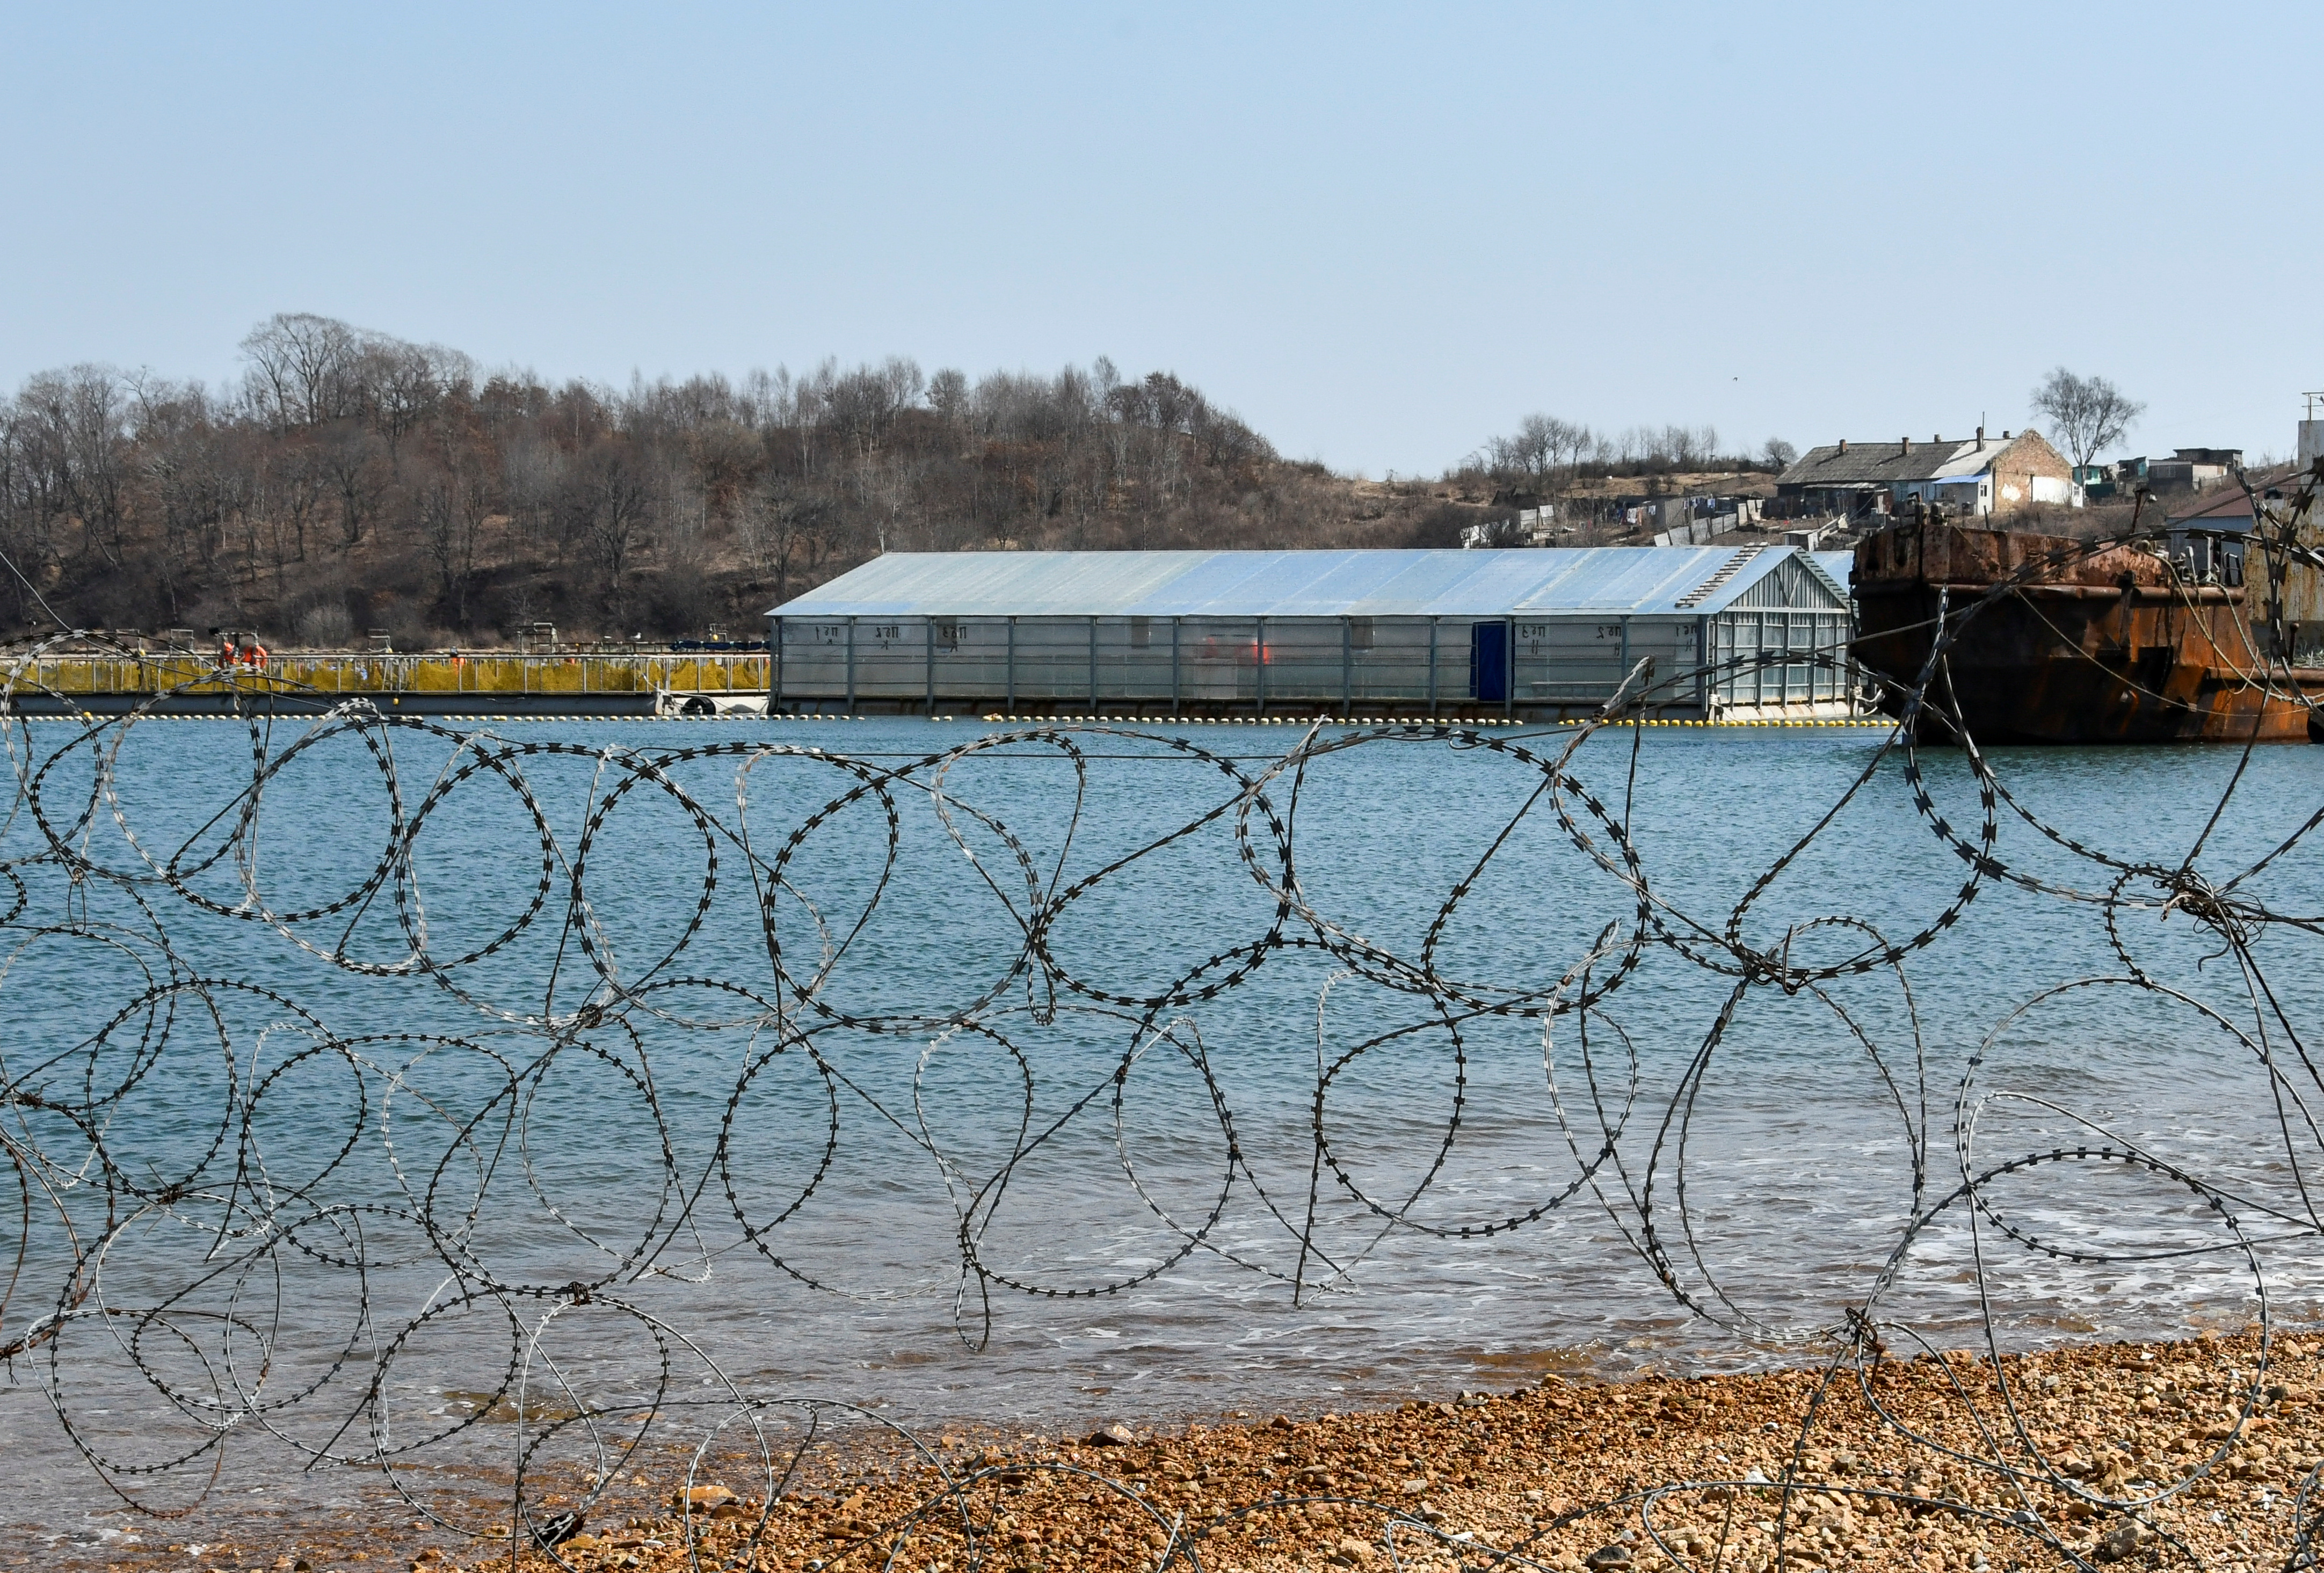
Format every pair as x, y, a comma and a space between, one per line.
348, 1190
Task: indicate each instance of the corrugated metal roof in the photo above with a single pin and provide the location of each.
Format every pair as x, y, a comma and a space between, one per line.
1839, 567
1897, 463
1869, 464
1880, 464
1634, 580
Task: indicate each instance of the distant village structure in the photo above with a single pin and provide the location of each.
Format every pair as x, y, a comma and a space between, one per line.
2186, 470
1672, 521
2210, 524
1843, 488
1972, 477
1847, 487
2208, 533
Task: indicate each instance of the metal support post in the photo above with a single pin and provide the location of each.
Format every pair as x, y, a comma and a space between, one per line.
851, 666
1258, 669
1510, 668
1092, 664
1010, 668
928, 636
774, 664
1432, 665
1174, 666
1347, 670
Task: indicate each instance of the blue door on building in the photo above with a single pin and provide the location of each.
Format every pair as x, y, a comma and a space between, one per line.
1488, 662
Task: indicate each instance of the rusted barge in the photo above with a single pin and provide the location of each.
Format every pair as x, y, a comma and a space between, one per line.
2049, 640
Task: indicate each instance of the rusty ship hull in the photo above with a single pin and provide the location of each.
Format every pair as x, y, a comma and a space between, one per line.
2050, 642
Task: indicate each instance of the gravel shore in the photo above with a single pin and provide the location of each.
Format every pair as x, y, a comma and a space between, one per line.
2142, 1454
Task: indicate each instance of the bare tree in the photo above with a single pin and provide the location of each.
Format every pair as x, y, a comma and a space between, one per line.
1542, 457
75, 427
2088, 414
619, 494
24, 522
354, 460
725, 457
402, 385
1779, 454
303, 370
948, 397
453, 504
533, 472
289, 487
784, 525
864, 403
189, 488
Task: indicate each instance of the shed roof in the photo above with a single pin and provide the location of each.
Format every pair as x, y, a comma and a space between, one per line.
1880, 464
1676, 581
2218, 505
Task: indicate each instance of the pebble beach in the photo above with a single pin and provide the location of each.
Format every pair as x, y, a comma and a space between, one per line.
2143, 1454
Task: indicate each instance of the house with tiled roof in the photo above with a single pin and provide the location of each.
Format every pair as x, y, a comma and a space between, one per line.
1971, 476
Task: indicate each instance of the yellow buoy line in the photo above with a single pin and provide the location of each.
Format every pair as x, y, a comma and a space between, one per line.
1032, 720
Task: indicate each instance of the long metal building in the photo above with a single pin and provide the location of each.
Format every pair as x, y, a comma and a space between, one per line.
1536, 632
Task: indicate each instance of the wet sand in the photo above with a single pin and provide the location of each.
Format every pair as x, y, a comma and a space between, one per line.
2146, 1454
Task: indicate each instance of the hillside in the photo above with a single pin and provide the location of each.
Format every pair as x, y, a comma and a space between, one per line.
355, 481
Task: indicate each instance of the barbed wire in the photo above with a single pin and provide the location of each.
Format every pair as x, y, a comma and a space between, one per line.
243, 1180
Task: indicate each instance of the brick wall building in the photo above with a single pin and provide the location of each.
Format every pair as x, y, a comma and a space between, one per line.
1972, 476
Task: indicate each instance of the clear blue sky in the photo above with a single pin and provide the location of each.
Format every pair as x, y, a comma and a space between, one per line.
1381, 234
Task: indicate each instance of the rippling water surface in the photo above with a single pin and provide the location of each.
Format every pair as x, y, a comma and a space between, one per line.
956, 1186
